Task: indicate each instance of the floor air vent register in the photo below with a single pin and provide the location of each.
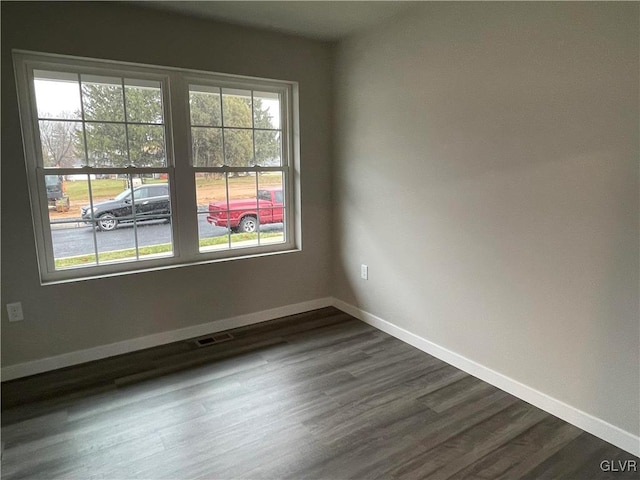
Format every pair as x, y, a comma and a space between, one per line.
213, 339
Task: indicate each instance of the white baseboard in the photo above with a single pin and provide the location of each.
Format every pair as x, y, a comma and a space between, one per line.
19, 370
596, 426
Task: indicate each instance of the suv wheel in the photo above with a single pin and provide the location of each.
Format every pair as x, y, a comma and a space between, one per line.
107, 222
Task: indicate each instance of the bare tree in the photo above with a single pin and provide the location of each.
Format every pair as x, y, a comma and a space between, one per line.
59, 139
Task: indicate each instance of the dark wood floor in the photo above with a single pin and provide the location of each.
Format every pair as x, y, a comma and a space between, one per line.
317, 395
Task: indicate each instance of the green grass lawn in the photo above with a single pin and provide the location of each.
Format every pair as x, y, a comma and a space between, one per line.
130, 253
103, 189
106, 188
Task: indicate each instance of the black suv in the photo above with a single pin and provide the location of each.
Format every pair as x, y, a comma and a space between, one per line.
151, 202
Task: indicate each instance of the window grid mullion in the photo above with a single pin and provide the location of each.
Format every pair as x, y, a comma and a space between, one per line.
105, 170
93, 221
133, 214
235, 128
130, 176
126, 126
241, 169
82, 115
111, 122
89, 186
257, 208
257, 174
226, 182
224, 152
253, 134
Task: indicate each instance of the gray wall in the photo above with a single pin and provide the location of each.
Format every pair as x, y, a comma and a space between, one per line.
70, 317
487, 172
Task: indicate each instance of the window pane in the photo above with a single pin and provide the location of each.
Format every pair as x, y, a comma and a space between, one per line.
66, 243
102, 98
117, 244
57, 198
210, 187
271, 181
72, 238
62, 143
152, 207
266, 110
57, 94
272, 207
106, 187
111, 202
238, 147
268, 148
236, 108
146, 146
206, 145
107, 145
135, 222
204, 105
144, 101
213, 221
243, 210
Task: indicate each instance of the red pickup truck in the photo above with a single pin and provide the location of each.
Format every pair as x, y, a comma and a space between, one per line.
242, 215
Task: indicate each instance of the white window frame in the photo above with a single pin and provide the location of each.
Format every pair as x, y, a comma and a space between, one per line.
179, 169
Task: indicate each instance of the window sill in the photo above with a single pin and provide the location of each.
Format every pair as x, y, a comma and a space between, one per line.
98, 276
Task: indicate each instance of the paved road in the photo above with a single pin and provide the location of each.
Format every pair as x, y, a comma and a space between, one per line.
68, 242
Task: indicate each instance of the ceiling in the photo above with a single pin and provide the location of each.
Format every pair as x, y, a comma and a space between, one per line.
321, 20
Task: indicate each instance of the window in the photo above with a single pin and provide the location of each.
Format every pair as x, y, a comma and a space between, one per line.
236, 142
134, 167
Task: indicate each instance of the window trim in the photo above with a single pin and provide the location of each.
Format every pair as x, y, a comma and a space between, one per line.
180, 165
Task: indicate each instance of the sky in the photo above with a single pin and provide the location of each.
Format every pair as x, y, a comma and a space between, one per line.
55, 97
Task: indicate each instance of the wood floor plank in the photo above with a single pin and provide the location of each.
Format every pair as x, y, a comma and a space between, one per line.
585, 451
525, 452
474, 443
395, 444
453, 394
318, 395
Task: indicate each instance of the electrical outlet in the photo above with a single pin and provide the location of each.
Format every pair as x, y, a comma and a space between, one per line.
364, 272
15, 312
